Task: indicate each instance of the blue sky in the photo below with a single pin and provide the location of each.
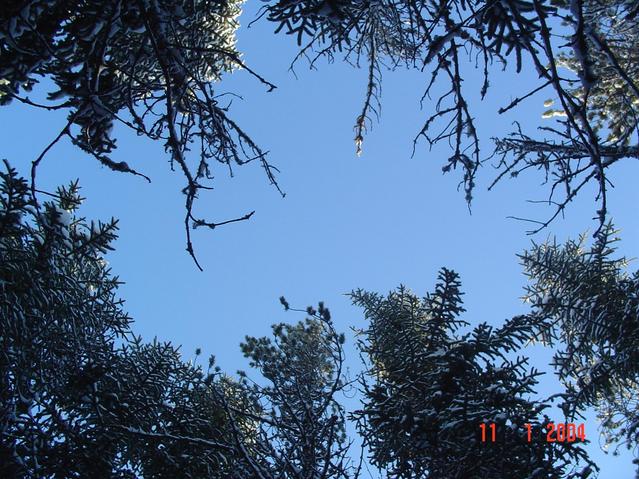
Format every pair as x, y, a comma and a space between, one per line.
372, 222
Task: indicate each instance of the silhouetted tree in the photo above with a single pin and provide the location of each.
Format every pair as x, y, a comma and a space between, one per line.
302, 431
583, 52
152, 66
585, 302
149, 65
428, 389
80, 395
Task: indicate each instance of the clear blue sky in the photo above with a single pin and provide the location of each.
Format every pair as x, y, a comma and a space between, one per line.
371, 222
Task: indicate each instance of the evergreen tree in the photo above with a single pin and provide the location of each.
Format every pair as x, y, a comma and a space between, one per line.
302, 431
83, 397
149, 65
607, 63
586, 303
583, 52
152, 65
80, 395
429, 388
60, 318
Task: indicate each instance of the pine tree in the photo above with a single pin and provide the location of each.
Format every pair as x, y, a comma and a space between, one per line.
302, 433
58, 304
147, 65
586, 303
429, 388
582, 51
607, 63
80, 395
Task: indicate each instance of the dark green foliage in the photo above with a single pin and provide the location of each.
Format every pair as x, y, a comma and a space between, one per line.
609, 70
82, 397
429, 388
303, 364
586, 303
151, 65
59, 320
